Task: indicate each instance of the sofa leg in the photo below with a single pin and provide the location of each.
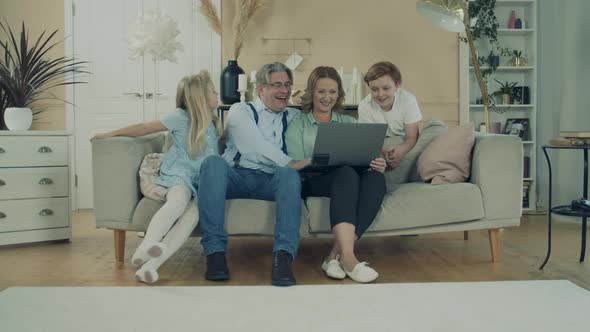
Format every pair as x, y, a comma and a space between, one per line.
465, 235
494, 244
120, 246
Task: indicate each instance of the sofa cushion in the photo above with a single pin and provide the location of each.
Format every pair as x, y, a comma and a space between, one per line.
447, 159
148, 173
243, 216
406, 171
411, 205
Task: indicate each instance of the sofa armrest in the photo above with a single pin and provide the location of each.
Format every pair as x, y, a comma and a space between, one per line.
496, 168
115, 164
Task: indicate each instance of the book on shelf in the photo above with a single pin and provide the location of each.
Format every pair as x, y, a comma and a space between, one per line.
526, 185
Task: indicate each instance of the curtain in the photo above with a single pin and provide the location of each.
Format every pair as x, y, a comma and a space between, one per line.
563, 89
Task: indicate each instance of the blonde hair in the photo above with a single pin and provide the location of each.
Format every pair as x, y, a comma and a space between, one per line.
191, 96
312, 81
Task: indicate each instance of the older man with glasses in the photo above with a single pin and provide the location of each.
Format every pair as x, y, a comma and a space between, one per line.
255, 165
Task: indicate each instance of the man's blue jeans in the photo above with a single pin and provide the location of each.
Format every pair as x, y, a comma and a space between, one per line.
218, 181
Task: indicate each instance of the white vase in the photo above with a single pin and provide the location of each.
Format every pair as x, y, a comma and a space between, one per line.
18, 118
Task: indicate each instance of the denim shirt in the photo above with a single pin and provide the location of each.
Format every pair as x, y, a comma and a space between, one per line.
178, 164
260, 145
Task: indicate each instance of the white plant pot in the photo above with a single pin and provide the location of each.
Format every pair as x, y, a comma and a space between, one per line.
18, 118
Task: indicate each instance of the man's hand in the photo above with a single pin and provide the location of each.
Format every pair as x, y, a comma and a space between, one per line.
299, 164
378, 164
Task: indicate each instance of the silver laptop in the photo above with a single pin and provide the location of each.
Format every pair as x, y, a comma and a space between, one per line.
353, 144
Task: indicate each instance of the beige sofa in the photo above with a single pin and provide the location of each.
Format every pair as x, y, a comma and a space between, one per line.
490, 200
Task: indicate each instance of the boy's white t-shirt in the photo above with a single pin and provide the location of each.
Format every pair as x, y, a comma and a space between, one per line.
404, 111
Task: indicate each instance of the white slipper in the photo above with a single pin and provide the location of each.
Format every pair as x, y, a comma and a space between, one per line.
333, 269
362, 273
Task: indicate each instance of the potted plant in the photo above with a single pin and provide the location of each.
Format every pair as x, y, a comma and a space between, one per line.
484, 26
28, 75
518, 60
505, 91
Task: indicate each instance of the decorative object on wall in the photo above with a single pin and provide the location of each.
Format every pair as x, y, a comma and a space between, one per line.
449, 15
294, 60
155, 35
210, 12
27, 75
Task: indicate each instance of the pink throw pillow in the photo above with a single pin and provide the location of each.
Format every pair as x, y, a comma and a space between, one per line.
447, 159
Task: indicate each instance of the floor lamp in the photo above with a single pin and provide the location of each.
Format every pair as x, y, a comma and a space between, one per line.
449, 15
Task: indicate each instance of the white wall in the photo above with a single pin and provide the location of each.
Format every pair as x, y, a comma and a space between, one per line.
564, 86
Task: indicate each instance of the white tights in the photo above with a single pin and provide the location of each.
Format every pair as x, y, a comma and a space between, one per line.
164, 237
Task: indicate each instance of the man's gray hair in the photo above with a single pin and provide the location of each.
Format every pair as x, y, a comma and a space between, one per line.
263, 75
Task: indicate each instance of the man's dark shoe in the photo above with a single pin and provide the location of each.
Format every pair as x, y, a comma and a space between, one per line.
217, 267
282, 275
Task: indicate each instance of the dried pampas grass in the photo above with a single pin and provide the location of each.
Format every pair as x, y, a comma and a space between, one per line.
210, 12
246, 10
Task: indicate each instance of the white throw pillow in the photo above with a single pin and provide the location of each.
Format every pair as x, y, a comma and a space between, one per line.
148, 172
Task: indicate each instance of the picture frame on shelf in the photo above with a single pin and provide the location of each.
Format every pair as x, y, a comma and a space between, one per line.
517, 127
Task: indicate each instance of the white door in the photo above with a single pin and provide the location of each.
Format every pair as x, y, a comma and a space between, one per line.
120, 91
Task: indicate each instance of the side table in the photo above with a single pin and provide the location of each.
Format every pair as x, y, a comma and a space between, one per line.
566, 210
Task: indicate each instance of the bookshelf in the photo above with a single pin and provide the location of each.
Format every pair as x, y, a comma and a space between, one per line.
519, 107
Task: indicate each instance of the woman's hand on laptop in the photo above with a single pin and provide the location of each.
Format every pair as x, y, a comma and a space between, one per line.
299, 164
378, 164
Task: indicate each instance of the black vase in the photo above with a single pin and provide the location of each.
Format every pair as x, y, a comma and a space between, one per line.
229, 82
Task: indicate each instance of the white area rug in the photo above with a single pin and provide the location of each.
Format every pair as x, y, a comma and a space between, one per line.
469, 306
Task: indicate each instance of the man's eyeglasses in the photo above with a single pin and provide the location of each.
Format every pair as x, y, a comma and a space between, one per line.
278, 85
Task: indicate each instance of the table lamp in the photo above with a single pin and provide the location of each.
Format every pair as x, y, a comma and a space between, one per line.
449, 15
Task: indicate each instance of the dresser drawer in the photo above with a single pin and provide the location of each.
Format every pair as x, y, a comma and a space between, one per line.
33, 151
33, 182
30, 214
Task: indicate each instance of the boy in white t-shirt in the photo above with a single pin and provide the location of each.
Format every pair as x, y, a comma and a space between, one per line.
389, 103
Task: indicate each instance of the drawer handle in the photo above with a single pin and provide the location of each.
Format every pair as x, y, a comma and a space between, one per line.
44, 149
2, 150
46, 212
45, 181
2, 215
2, 183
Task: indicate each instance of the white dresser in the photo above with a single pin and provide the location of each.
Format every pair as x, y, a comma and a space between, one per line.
34, 186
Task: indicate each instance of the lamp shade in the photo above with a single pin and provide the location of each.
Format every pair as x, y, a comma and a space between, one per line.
446, 14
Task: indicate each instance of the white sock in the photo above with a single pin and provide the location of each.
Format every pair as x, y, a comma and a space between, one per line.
177, 199
147, 275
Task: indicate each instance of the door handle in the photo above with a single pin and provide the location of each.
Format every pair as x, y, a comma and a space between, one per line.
135, 94
44, 149
149, 95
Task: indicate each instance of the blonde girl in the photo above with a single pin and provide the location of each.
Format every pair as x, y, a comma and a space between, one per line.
194, 129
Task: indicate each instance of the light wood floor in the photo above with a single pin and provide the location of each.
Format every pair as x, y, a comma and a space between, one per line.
89, 259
